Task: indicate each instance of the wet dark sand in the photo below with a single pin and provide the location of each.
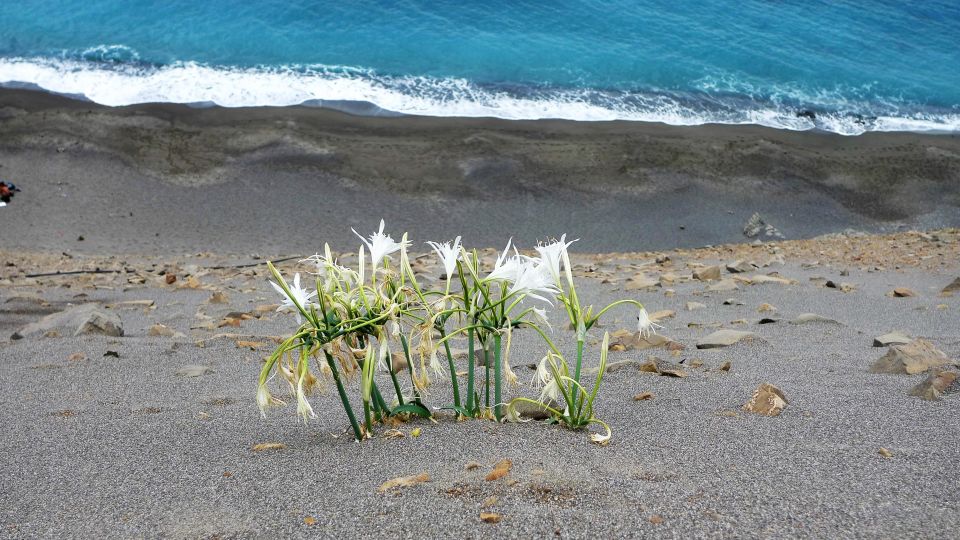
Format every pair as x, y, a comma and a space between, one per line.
175, 178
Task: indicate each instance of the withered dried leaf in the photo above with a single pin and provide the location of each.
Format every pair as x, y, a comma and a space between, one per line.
403, 481
501, 469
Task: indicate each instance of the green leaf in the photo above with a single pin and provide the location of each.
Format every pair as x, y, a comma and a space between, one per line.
412, 408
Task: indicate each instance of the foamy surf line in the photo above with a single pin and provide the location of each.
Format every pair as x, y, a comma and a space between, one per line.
193, 83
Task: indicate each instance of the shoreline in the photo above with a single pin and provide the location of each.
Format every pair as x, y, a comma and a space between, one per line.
173, 177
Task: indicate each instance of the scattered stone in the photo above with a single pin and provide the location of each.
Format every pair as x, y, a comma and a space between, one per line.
708, 273
525, 409
98, 322
953, 287
76, 357
219, 297
915, 357
764, 308
760, 279
739, 267
724, 338
732, 302
756, 227
194, 371
644, 396
68, 318
936, 384
805, 318
490, 517
691, 306
893, 338
884, 453
130, 304
726, 366
723, 285
660, 367
842, 287
767, 400
902, 292
170, 279
471, 465
625, 340
655, 519
768, 320
159, 330
663, 314
640, 281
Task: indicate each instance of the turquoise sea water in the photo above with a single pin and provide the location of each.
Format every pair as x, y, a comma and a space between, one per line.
843, 66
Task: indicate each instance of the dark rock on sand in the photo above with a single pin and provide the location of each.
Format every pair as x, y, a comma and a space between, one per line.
739, 267
902, 292
938, 383
724, 338
915, 357
892, 338
953, 287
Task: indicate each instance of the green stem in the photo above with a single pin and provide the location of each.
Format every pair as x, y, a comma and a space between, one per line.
576, 373
406, 354
379, 405
396, 383
498, 410
343, 395
453, 369
486, 367
367, 417
470, 365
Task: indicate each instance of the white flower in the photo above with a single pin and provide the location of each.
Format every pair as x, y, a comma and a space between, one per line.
448, 254
380, 245
298, 296
552, 253
532, 281
644, 325
541, 315
505, 268
264, 399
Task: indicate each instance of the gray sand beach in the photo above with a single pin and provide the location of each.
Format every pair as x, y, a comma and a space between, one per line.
132, 446
155, 434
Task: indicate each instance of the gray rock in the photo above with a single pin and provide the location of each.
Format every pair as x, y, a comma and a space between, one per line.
805, 318
724, 338
756, 227
708, 273
723, 285
739, 267
893, 338
691, 306
101, 322
192, 370
72, 318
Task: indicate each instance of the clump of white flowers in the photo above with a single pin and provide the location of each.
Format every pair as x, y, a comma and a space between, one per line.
378, 317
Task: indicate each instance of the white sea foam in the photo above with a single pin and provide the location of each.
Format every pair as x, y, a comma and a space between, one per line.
118, 84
